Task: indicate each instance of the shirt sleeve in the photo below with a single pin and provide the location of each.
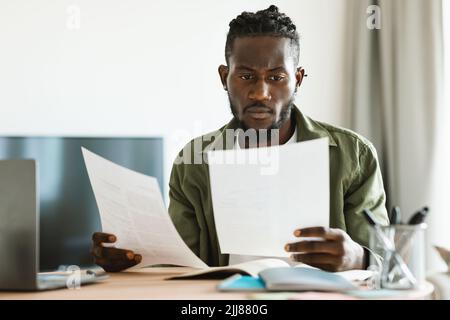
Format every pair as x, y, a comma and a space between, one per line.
182, 211
365, 192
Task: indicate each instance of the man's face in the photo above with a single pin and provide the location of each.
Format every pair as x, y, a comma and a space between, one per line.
261, 80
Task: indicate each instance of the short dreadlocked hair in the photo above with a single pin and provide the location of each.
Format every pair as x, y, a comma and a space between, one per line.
268, 22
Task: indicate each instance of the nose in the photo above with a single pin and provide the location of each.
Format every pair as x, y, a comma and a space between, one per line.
260, 91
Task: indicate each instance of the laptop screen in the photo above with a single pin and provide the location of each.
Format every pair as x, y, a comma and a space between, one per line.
68, 211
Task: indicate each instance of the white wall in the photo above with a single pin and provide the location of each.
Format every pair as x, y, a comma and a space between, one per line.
439, 221
145, 68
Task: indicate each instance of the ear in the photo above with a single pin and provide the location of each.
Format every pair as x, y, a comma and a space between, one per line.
299, 75
223, 73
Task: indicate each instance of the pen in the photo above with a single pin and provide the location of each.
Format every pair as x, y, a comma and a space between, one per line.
395, 215
419, 216
389, 246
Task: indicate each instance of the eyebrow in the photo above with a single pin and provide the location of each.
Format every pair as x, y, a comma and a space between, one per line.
242, 67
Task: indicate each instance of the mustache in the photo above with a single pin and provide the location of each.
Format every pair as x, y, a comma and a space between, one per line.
258, 105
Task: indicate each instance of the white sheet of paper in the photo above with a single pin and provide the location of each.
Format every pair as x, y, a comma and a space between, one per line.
260, 201
131, 207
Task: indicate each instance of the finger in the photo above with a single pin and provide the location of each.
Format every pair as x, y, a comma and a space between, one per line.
99, 237
321, 232
310, 246
137, 258
316, 258
118, 261
326, 267
115, 265
113, 253
113, 261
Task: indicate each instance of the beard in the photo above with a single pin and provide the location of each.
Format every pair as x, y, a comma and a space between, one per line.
285, 115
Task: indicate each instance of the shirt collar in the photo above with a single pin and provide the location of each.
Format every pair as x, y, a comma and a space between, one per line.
309, 129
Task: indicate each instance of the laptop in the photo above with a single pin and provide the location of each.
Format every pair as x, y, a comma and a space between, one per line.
19, 234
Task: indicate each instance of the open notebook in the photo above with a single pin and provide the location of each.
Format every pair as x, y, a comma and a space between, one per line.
278, 270
250, 268
303, 278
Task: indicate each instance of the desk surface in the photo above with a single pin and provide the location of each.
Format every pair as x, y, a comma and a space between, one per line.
149, 283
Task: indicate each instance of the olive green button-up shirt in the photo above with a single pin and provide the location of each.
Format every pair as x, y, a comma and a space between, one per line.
355, 184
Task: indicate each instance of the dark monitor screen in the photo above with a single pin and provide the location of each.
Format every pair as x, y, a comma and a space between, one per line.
68, 211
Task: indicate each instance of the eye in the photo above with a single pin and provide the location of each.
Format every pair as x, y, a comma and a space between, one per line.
246, 76
276, 78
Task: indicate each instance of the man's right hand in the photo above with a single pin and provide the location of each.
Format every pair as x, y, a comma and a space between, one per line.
110, 258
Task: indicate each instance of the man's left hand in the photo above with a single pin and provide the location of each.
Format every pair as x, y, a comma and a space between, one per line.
335, 252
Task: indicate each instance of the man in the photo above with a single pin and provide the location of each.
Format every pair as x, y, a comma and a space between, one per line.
261, 78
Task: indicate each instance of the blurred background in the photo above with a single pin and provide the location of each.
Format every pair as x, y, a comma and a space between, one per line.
135, 68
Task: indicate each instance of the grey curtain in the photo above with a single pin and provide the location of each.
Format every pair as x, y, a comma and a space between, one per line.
395, 93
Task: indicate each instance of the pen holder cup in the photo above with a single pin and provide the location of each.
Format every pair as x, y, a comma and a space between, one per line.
398, 261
